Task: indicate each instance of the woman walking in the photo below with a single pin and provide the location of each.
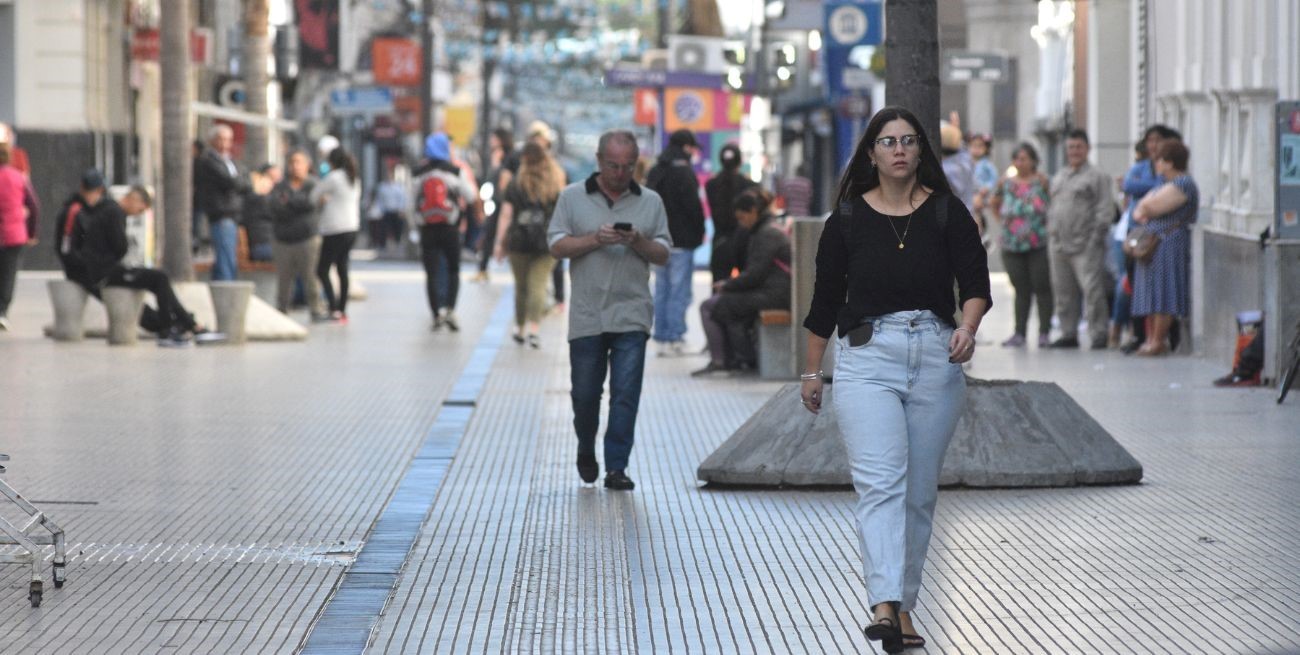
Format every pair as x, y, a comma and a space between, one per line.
338, 195
1021, 203
1161, 287
18, 215
886, 265
521, 231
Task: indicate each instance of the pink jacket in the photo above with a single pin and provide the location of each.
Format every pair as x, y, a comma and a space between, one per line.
13, 198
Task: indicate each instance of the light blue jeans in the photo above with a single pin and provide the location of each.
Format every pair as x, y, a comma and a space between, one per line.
673, 295
897, 400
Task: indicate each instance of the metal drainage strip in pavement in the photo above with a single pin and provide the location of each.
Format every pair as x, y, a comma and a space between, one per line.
351, 613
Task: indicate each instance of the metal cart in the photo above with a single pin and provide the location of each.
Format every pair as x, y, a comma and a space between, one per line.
23, 538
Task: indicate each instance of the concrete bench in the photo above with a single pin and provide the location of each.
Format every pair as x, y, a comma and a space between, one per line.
124, 306
775, 354
69, 301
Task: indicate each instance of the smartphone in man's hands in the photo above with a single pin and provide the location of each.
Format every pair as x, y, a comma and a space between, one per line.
623, 227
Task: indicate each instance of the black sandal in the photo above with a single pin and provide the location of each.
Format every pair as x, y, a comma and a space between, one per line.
887, 631
913, 641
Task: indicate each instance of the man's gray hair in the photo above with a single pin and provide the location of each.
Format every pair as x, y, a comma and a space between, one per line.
218, 129
624, 136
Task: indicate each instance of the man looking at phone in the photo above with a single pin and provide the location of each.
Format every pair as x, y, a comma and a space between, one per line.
613, 230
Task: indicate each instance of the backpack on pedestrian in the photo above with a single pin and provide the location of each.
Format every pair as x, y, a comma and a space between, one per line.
527, 232
437, 200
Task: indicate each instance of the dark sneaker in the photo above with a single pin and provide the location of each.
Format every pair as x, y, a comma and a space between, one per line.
712, 370
1064, 342
174, 339
1234, 380
588, 469
618, 481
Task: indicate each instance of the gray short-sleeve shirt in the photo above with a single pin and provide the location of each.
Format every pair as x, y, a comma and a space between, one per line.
610, 285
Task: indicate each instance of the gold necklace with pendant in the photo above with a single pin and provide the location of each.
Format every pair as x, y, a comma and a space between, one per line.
905, 229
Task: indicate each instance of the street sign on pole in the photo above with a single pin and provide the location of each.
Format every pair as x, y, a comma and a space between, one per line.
962, 67
362, 100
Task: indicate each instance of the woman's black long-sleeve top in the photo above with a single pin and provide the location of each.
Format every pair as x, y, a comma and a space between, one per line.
861, 272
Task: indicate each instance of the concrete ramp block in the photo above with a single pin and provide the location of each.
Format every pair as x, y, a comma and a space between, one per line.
1011, 434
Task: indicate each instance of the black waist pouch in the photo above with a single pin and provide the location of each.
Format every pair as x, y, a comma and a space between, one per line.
861, 335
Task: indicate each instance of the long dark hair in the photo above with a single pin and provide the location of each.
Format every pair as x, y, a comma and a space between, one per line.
340, 159
860, 176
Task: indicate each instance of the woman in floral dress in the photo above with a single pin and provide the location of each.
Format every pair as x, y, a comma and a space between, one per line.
1021, 204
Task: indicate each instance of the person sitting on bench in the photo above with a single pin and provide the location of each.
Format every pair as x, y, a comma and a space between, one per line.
91, 244
763, 283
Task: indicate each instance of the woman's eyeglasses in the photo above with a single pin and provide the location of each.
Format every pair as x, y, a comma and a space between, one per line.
909, 141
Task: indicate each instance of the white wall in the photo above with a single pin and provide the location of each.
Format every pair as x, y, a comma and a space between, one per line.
69, 65
1003, 26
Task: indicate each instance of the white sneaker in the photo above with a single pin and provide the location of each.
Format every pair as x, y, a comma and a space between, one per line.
678, 348
4, 323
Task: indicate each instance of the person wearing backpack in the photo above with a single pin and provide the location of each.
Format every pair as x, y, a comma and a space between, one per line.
440, 195
886, 264
521, 231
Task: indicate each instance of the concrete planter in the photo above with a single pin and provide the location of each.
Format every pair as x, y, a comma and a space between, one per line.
230, 304
124, 306
69, 301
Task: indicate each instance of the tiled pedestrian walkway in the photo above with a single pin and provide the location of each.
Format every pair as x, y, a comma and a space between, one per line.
214, 498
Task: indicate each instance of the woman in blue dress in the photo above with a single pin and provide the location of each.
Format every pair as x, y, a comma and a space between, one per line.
1162, 285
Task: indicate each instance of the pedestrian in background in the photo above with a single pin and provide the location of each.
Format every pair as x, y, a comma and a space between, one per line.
1021, 204
957, 163
295, 226
763, 283
441, 196
673, 178
17, 156
1078, 219
499, 173
96, 246
542, 134
721, 192
256, 217
338, 199
1140, 180
388, 209
886, 265
984, 175
526, 211
19, 214
613, 230
219, 188
1161, 285
796, 191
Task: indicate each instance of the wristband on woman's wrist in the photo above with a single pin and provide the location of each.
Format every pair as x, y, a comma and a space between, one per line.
811, 376
969, 331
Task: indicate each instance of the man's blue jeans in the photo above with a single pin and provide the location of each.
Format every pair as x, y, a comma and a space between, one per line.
673, 294
623, 354
225, 236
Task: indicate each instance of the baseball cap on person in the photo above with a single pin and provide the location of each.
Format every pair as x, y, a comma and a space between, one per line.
683, 137
729, 155
92, 179
438, 146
